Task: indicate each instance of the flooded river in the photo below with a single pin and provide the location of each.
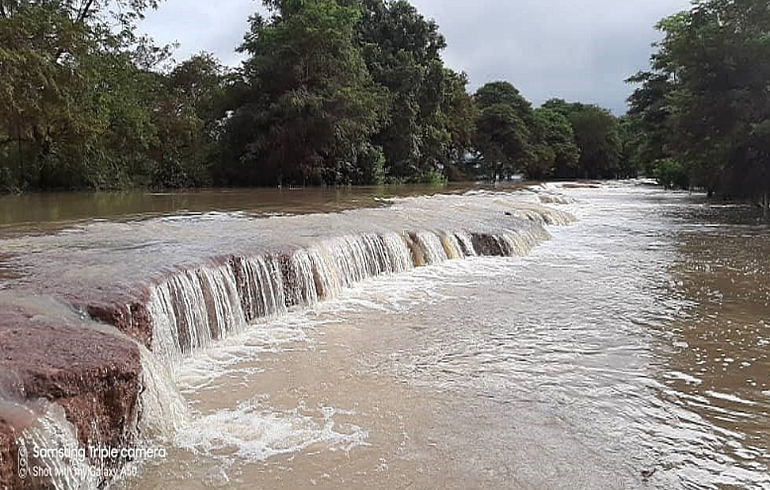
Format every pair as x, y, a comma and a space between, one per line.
628, 351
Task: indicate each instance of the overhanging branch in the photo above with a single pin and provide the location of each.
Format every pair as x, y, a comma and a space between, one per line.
84, 12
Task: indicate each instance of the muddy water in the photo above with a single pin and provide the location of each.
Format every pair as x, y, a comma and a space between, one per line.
636, 340
39, 212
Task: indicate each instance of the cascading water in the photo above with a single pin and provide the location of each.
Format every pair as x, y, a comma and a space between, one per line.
218, 297
431, 247
466, 243
49, 450
162, 410
195, 307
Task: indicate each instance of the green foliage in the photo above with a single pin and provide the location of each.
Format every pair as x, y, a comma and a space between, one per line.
503, 93
704, 102
83, 106
630, 163
556, 149
310, 103
596, 134
503, 131
598, 138
332, 92
186, 114
649, 112
430, 123
671, 174
370, 169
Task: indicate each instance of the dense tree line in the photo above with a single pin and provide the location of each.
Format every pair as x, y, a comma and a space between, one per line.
701, 114
331, 92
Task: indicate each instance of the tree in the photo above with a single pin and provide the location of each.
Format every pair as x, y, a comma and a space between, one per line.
556, 150
649, 112
430, 113
631, 140
495, 93
188, 116
597, 136
503, 130
460, 122
311, 105
69, 85
706, 98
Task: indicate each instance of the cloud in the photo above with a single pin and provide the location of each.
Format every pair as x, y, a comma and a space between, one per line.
215, 26
575, 50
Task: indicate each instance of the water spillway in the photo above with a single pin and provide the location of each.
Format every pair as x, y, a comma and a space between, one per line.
192, 308
178, 284
373, 349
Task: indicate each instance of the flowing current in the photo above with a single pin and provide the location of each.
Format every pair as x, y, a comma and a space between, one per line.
629, 351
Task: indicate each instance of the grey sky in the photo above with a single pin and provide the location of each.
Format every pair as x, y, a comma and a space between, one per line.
572, 49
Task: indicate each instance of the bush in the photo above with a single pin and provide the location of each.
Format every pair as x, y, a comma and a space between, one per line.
431, 177
371, 166
7, 181
671, 174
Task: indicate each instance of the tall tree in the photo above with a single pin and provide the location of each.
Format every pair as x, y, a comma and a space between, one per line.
311, 105
597, 136
62, 67
556, 150
504, 137
188, 114
713, 65
428, 104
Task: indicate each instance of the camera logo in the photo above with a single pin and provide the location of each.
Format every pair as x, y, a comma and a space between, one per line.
23, 459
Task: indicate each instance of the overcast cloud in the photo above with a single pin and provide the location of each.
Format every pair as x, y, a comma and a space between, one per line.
578, 50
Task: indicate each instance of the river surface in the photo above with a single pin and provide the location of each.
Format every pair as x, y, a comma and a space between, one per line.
35, 212
635, 341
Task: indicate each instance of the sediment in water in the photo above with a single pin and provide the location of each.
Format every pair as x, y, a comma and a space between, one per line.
99, 378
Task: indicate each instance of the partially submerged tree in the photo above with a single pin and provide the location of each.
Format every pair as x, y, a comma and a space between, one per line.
705, 101
597, 137
503, 130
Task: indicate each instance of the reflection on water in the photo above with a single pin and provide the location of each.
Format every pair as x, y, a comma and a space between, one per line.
718, 367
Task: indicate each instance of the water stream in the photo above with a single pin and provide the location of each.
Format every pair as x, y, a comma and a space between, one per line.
634, 341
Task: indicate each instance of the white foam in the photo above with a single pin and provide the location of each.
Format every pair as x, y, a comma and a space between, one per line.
255, 433
162, 408
224, 358
52, 433
728, 397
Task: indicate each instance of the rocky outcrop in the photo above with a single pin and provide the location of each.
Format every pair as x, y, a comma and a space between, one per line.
133, 319
487, 244
94, 375
202, 278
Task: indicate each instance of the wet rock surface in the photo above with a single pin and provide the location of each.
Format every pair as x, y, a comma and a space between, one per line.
94, 375
52, 287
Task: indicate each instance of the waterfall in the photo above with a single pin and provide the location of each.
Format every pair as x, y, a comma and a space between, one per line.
260, 285
194, 307
465, 242
520, 243
162, 410
48, 451
451, 246
431, 246
398, 252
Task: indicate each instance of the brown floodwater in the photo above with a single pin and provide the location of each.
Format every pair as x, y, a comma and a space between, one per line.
36, 212
636, 340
